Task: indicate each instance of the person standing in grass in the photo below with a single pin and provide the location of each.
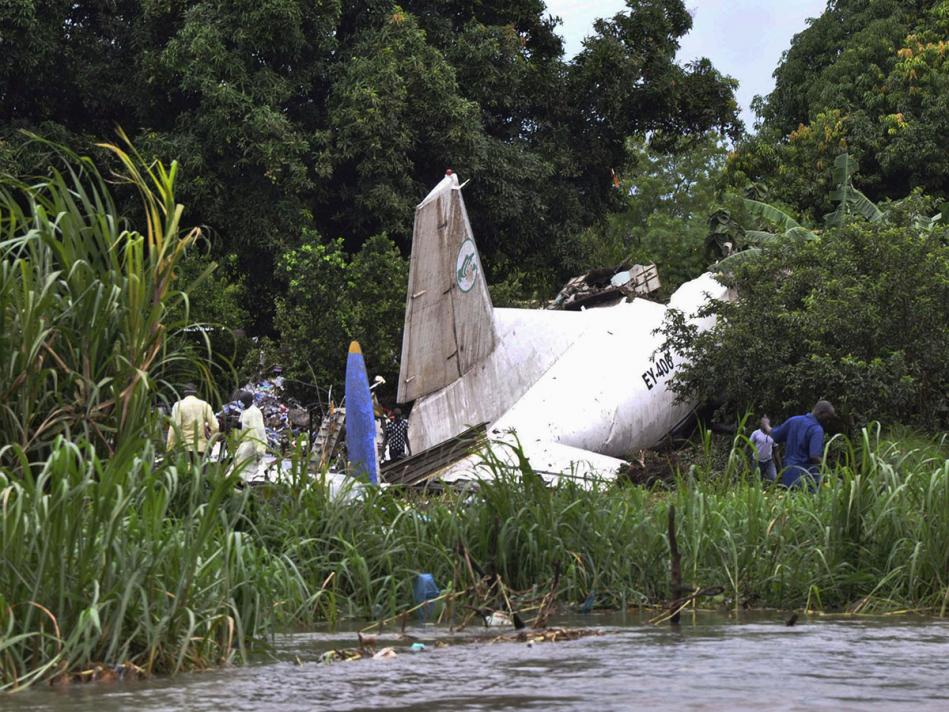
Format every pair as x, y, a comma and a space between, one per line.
803, 436
397, 436
253, 434
192, 422
764, 450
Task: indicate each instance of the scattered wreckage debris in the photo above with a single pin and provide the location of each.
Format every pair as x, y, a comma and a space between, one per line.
328, 441
547, 635
100, 672
366, 650
607, 286
284, 417
422, 469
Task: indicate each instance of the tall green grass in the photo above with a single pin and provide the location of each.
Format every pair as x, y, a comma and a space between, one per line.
169, 566
84, 304
873, 538
109, 554
125, 562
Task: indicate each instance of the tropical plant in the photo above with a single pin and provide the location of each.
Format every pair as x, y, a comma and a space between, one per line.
858, 316
850, 201
124, 566
84, 303
871, 539
744, 245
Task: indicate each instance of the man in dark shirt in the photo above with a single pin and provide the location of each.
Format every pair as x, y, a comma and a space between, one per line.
803, 436
397, 436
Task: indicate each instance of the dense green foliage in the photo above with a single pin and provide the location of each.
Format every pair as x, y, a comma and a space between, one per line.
295, 120
368, 297
858, 316
871, 78
667, 196
856, 313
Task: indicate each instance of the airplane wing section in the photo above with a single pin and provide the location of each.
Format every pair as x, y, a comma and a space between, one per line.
449, 322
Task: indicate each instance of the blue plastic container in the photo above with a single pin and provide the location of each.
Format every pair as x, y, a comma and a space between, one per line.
425, 590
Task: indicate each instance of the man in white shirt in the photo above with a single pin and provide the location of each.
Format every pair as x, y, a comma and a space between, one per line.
764, 448
253, 434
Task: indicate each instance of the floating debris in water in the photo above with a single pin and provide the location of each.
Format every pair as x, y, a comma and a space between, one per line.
367, 651
548, 635
100, 672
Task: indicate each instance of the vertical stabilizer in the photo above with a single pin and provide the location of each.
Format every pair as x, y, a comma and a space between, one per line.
449, 320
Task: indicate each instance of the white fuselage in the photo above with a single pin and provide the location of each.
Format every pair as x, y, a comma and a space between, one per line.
572, 385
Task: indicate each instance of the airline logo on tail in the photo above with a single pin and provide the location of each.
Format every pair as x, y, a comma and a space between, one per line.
466, 266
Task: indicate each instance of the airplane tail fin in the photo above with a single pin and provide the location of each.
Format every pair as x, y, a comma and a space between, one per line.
449, 319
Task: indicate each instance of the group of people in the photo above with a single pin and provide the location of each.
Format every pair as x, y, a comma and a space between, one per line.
194, 423
803, 439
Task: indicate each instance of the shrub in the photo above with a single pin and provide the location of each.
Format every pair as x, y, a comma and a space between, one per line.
859, 316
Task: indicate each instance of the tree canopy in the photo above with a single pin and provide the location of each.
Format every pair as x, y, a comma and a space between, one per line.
867, 77
290, 116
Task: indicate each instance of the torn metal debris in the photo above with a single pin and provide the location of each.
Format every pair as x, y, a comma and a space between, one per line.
606, 287
284, 417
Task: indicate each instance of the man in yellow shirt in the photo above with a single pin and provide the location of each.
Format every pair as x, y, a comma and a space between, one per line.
192, 422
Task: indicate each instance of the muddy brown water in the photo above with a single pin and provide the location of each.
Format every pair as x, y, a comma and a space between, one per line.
709, 662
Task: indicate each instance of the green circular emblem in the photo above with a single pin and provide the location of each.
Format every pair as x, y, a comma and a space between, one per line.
466, 266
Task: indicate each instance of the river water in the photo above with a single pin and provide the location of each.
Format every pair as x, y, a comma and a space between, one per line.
708, 662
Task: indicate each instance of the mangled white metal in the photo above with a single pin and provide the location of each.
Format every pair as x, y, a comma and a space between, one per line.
529, 342
579, 389
608, 392
638, 279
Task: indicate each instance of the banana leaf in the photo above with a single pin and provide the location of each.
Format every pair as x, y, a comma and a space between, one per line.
771, 214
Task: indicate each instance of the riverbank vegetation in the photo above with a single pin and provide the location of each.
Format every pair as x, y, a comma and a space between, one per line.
169, 566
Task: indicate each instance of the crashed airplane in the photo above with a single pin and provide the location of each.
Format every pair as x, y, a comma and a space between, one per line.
580, 389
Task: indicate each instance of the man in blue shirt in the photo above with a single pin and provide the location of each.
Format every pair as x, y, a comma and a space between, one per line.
803, 436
